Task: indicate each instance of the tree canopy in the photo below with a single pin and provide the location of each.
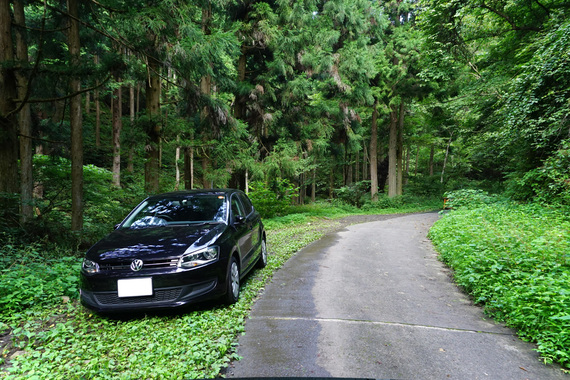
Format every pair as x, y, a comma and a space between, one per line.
395, 97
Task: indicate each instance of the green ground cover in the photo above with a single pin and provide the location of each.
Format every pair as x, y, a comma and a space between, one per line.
45, 333
515, 261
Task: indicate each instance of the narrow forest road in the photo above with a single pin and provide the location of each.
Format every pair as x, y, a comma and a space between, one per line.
373, 301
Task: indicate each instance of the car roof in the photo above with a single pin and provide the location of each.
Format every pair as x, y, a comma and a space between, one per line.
185, 193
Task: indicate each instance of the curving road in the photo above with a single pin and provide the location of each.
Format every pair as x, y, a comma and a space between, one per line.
373, 301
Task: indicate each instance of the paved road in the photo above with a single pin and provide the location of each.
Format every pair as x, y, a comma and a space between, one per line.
373, 301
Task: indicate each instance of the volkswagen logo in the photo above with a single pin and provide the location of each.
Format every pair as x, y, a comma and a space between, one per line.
137, 265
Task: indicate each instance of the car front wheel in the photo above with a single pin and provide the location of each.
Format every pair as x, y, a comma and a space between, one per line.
232, 282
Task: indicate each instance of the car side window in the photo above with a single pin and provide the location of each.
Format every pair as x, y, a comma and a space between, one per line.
237, 209
248, 207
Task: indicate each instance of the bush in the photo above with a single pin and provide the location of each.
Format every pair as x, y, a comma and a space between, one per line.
424, 185
272, 200
104, 205
469, 198
515, 260
355, 194
29, 278
549, 184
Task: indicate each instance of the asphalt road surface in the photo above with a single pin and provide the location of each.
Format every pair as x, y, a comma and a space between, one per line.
373, 301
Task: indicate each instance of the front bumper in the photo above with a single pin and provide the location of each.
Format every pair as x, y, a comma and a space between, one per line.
162, 298
171, 288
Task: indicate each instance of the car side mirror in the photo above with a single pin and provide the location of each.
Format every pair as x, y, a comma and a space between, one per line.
239, 219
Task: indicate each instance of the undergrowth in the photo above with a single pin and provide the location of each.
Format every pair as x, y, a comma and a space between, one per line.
53, 337
515, 261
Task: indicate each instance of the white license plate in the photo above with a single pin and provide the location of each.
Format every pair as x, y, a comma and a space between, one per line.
135, 287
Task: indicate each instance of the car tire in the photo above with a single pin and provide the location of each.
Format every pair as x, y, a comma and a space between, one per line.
232, 282
262, 261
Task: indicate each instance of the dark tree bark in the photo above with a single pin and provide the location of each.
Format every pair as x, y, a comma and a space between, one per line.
206, 90
189, 168
117, 123
374, 154
97, 111
24, 118
400, 149
75, 120
8, 122
152, 165
392, 153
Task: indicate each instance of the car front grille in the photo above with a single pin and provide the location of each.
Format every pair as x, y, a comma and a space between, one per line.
148, 264
160, 295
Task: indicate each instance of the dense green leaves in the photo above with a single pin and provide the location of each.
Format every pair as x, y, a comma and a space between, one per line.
508, 64
514, 260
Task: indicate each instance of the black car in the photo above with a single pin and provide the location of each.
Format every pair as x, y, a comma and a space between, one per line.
175, 249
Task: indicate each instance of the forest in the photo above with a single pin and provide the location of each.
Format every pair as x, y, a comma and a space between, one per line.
317, 109
102, 102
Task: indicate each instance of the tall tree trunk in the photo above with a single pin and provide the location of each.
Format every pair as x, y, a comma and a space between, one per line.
117, 122
132, 103
206, 184
331, 182
365, 162
176, 163
132, 114
314, 181
407, 170
348, 166
374, 154
357, 166
431, 156
392, 154
97, 110
87, 102
417, 160
446, 155
154, 133
189, 168
400, 150
24, 118
8, 122
75, 121
240, 102
206, 89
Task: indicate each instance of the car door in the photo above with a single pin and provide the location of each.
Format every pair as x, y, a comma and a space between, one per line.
253, 221
242, 231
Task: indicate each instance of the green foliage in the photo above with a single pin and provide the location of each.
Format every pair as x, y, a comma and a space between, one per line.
274, 199
355, 194
104, 205
515, 260
470, 198
535, 112
29, 279
548, 184
424, 185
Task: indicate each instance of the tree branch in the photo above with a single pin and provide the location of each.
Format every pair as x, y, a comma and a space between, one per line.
505, 17
40, 139
48, 100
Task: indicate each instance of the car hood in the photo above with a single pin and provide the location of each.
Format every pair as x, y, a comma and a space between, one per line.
154, 242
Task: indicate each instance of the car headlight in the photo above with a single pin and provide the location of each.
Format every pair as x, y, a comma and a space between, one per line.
90, 266
198, 258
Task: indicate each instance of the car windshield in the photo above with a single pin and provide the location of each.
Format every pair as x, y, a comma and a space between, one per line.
179, 211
